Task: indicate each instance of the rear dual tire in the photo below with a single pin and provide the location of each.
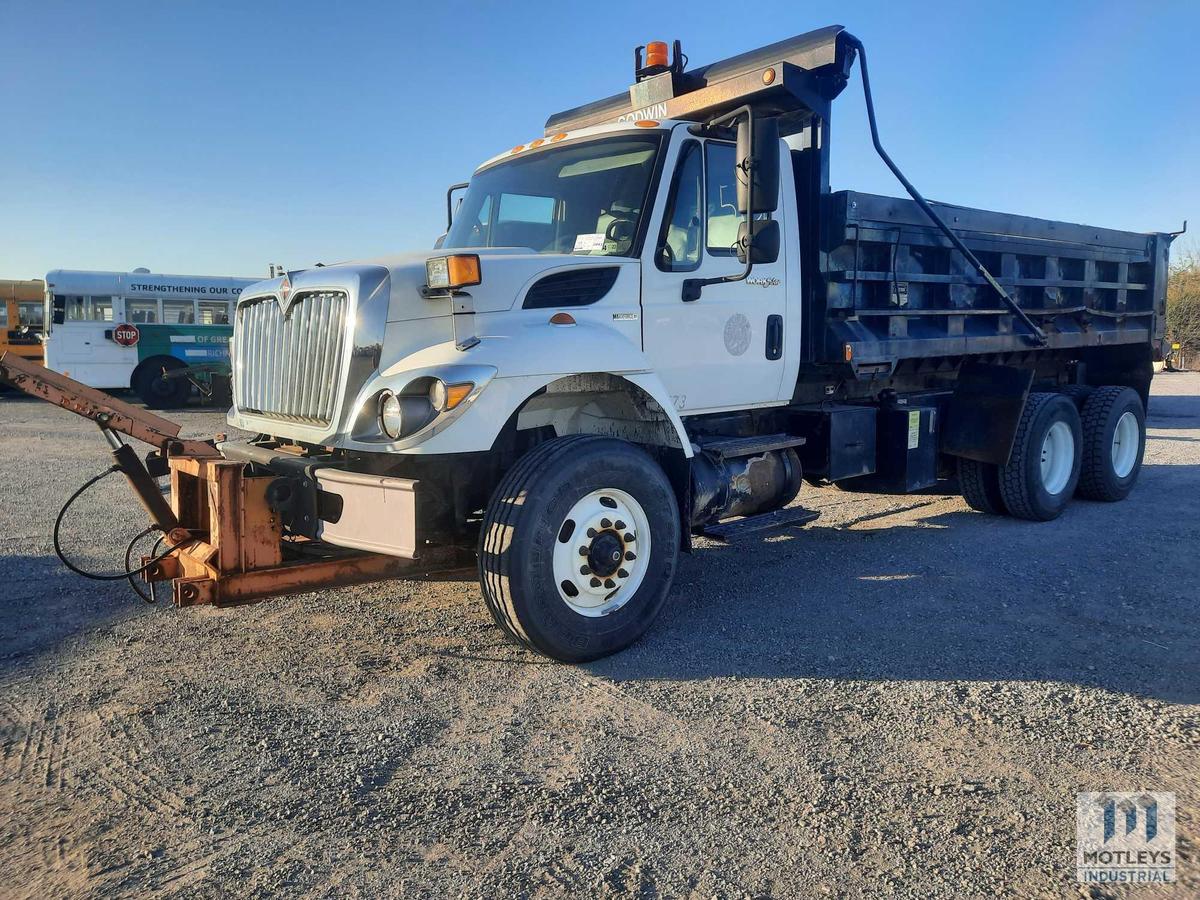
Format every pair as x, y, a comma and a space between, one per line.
1086, 441
1114, 443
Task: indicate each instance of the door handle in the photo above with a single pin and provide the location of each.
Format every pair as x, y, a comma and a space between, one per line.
774, 337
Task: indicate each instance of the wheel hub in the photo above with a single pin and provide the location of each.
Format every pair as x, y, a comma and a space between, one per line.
602, 552
605, 554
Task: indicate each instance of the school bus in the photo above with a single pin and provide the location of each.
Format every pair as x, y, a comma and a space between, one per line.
157, 335
22, 317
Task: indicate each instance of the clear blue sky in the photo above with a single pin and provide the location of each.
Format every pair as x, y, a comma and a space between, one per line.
215, 138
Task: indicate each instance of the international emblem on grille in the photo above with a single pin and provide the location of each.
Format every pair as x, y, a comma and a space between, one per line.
285, 294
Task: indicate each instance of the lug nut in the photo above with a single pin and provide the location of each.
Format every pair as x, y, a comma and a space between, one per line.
619, 525
606, 523
630, 556
583, 570
629, 538
583, 551
591, 532
595, 582
609, 583
621, 573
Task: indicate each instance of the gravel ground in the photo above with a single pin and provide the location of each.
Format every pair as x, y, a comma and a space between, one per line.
901, 699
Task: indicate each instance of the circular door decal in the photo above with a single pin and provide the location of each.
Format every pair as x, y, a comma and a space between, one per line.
737, 334
126, 335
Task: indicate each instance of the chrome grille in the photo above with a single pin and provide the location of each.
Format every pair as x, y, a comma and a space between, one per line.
289, 366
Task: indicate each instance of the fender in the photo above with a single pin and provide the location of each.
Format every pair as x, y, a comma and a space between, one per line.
526, 357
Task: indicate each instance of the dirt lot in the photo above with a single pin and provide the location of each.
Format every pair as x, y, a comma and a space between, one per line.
902, 699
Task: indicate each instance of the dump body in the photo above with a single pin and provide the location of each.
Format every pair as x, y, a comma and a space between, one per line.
892, 288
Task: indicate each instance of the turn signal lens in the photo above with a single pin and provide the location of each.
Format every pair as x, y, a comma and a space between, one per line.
449, 272
656, 54
562, 319
447, 396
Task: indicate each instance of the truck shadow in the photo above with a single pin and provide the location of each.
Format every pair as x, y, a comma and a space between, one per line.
926, 590
44, 607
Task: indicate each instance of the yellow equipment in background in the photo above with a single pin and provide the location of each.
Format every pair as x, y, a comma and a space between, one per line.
22, 317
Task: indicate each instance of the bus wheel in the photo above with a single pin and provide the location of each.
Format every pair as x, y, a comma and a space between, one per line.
222, 391
158, 392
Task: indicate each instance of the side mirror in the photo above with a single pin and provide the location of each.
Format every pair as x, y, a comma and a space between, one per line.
764, 168
764, 248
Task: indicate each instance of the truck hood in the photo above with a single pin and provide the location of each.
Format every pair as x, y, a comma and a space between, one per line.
507, 273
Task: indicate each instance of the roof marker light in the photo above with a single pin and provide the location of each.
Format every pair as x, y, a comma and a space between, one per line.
646, 123
558, 137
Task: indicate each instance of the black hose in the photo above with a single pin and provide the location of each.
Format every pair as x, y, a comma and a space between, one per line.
128, 574
1036, 332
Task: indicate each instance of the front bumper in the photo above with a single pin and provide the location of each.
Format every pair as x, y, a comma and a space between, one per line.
317, 499
377, 513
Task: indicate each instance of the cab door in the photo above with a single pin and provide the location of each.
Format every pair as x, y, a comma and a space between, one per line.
725, 350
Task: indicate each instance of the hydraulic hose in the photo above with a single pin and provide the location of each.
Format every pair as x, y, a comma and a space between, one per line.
1036, 333
129, 573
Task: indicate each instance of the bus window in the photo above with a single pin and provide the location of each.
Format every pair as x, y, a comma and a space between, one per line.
31, 314
102, 309
179, 312
3, 315
141, 312
214, 312
76, 307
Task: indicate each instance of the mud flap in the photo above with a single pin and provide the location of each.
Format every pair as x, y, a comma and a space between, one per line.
983, 414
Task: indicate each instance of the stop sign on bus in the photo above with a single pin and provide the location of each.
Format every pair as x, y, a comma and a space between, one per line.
126, 335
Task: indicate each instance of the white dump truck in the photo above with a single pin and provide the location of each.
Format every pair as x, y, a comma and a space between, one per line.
656, 320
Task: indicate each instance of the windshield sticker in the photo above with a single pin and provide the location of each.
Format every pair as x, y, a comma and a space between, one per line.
586, 243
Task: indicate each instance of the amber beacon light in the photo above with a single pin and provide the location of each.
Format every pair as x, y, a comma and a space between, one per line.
656, 54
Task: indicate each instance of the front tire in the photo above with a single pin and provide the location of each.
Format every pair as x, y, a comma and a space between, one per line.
1114, 442
557, 572
1043, 469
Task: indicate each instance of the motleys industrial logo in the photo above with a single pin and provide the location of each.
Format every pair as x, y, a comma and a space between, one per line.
1125, 837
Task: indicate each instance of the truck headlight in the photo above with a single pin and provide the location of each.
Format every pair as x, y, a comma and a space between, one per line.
391, 415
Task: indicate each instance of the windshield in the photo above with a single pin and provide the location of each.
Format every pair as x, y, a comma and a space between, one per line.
586, 199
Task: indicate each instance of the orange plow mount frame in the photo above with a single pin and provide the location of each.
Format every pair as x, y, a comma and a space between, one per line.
229, 546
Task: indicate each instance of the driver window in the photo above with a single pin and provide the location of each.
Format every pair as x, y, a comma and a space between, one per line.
721, 205
679, 245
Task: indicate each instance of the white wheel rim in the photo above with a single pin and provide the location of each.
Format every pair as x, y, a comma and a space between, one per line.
601, 552
1058, 457
1126, 440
